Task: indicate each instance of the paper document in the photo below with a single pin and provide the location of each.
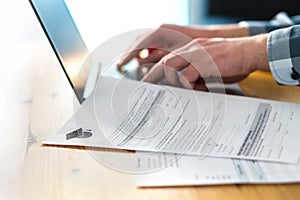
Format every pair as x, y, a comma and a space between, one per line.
133, 115
175, 170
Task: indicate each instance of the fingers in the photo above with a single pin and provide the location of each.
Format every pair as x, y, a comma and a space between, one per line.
126, 58
177, 60
199, 84
153, 57
184, 67
172, 77
155, 75
140, 43
188, 76
167, 68
161, 38
190, 73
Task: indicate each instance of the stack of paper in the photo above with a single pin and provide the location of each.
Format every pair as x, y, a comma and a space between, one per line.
198, 137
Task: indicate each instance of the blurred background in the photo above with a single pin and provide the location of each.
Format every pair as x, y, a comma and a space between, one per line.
99, 20
227, 11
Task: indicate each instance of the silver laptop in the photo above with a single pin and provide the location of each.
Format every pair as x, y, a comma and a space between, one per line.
72, 52
68, 45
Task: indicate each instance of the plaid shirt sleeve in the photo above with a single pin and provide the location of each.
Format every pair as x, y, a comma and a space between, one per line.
284, 55
283, 46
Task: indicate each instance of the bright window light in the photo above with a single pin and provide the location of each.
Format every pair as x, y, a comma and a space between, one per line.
100, 20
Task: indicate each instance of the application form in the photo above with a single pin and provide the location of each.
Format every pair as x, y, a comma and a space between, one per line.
162, 169
132, 115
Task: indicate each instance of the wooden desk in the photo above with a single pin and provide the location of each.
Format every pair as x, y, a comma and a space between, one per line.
38, 100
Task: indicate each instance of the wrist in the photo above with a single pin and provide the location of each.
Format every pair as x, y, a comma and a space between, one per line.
255, 53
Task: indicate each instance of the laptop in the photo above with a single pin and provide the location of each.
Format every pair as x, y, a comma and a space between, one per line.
73, 54
68, 46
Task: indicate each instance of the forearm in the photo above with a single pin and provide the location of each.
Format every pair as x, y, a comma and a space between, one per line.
224, 31
210, 31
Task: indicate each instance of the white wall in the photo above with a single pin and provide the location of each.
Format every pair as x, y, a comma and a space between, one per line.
98, 20
17, 22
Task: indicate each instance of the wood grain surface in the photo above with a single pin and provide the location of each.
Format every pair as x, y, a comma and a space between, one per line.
37, 100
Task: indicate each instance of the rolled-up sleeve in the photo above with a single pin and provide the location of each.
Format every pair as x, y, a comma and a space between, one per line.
283, 46
284, 55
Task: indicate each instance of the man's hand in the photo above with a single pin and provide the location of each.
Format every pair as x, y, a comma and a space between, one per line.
169, 37
204, 60
158, 43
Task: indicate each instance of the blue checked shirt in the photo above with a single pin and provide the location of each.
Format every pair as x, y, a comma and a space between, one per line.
283, 46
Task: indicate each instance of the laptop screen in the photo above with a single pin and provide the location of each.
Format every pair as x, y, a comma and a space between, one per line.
66, 41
